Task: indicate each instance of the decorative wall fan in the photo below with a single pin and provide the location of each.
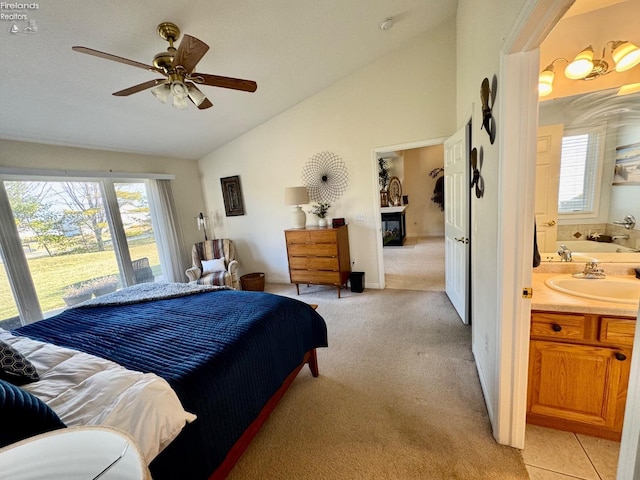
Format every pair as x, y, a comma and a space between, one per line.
177, 66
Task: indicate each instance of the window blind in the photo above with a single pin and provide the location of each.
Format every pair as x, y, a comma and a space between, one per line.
578, 173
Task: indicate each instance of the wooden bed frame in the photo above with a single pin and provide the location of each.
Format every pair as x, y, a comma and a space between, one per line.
243, 442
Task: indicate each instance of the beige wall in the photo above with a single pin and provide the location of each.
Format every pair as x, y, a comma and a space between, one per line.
186, 187
424, 218
482, 26
397, 99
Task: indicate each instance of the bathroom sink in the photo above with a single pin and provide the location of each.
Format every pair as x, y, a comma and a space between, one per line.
610, 289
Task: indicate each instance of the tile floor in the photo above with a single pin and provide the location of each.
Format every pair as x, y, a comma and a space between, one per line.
557, 455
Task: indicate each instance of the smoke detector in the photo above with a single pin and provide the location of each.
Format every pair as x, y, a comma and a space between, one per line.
386, 24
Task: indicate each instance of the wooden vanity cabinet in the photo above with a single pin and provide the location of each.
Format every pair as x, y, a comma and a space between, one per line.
579, 372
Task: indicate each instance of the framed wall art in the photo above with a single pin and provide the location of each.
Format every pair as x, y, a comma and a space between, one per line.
232, 195
627, 168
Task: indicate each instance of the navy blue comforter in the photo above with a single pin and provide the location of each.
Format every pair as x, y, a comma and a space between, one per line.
225, 353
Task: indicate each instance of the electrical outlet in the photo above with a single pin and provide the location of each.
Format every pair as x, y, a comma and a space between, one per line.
359, 217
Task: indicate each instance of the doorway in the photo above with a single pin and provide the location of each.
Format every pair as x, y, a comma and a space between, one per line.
416, 260
411, 163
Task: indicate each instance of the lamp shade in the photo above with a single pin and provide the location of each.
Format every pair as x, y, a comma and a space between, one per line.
545, 81
581, 66
296, 196
626, 55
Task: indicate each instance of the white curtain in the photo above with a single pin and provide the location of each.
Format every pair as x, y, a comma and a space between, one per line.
167, 231
24, 292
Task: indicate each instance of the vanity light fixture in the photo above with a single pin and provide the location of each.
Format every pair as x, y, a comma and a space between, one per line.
629, 89
625, 55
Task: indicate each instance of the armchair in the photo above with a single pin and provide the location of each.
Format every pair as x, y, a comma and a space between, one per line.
142, 271
224, 272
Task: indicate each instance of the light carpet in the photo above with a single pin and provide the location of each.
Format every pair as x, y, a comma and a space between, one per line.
418, 265
398, 397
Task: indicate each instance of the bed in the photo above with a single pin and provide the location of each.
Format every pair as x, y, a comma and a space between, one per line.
229, 356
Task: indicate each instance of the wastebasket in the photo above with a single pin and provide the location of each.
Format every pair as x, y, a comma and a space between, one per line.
356, 280
253, 282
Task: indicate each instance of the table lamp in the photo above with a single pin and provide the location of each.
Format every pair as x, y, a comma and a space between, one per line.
297, 196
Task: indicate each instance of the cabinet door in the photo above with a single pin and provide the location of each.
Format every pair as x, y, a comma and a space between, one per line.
580, 383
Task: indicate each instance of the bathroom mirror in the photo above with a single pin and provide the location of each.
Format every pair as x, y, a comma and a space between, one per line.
602, 197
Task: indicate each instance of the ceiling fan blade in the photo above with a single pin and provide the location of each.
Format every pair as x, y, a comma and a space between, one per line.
115, 58
140, 87
195, 95
225, 82
189, 53
205, 104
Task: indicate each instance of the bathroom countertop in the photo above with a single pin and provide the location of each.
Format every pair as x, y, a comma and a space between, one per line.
548, 299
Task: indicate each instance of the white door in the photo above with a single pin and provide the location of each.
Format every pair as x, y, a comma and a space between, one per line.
456, 224
549, 149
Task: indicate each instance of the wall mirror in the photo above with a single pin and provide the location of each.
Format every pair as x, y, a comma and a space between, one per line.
588, 199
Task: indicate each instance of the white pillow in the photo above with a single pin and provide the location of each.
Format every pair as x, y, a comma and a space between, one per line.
212, 266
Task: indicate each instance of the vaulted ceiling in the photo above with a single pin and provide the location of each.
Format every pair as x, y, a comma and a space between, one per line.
292, 49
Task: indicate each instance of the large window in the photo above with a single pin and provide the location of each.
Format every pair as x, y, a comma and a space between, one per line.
79, 238
8, 310
580, 172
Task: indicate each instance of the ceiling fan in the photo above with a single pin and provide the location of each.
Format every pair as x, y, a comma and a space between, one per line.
177, 67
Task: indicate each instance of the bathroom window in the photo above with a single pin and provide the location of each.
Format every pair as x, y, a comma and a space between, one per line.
580, 172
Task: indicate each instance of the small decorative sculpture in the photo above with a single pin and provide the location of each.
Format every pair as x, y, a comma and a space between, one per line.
488, 97
476, 166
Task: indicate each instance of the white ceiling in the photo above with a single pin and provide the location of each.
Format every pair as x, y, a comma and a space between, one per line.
291, 48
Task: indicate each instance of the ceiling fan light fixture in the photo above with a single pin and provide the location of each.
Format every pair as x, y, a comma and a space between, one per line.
180, 103
161, 92
179, 89
196, 96
626, 55
581, 66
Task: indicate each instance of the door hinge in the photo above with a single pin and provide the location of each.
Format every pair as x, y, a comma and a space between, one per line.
527, 292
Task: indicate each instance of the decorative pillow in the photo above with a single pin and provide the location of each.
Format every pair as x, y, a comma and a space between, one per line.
23, 415
212, 266
14, 367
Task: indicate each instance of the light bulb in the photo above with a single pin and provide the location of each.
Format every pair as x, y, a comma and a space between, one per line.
626, 55
545, 81
581, 66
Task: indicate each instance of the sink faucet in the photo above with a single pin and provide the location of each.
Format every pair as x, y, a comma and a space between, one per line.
593, 270
565, 254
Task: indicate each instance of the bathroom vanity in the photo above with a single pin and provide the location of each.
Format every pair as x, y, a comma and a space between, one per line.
579, 361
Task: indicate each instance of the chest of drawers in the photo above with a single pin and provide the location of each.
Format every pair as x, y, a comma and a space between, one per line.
318, 256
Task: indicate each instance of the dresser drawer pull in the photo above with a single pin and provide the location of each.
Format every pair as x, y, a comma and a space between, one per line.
620, 356
556, 328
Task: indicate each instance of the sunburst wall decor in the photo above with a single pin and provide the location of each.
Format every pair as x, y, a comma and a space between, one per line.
325, 176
